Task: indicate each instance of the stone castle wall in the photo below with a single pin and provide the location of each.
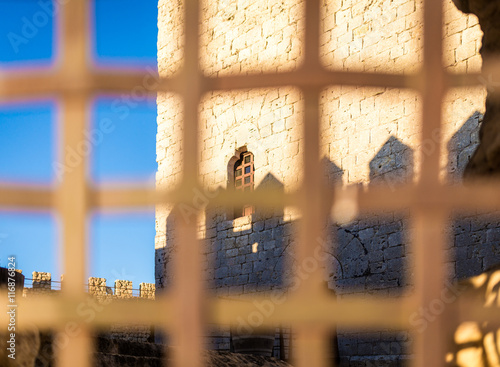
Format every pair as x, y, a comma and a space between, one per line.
42, 285
368, 136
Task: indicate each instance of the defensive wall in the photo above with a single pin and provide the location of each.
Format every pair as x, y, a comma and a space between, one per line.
369, 136
42, 283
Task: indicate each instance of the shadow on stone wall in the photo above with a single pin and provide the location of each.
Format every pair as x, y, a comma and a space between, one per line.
373, 253
461, 146
372, 249
393, 164
333, 174
164, 256
247, 253
476, 236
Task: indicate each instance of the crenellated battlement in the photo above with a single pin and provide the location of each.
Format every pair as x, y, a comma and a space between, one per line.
41, 282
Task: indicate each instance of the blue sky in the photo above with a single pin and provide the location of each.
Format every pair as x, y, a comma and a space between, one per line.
121, 245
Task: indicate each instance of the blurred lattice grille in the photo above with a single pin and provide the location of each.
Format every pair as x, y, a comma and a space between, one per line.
186, 309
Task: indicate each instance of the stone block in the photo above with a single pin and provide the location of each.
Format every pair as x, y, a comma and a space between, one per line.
123, 288
235, 270
229, 243
258, 226
232, 252
394, 252
258, 266
221, 272
246, 268
395, 239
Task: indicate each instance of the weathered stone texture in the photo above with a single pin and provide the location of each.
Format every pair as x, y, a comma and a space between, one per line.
42, 282
251, 36
147, 290
123, 288
369, 136
97, 286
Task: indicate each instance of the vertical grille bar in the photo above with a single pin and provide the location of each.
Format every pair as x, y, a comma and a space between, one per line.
429, 220
428, 239
310, 345
189, 288
72, 194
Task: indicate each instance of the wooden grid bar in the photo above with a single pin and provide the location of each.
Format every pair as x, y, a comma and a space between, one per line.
357, 311
72, 194
188, 290
480, 196
428, 219
186, 310
31, 85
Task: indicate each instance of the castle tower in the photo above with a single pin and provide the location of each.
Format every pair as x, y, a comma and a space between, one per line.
253, 138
